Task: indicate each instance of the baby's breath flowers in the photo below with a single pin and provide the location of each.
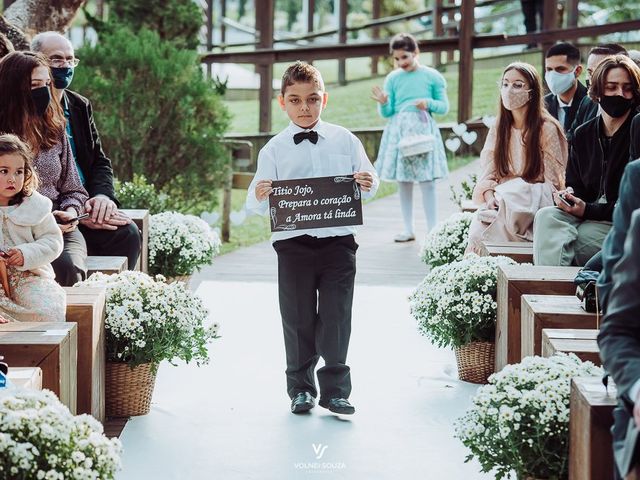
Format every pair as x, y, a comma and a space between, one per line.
41, 439
180, 244
148, 320
520, 421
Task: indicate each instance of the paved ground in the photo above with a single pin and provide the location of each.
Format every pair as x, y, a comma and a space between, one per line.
229, 420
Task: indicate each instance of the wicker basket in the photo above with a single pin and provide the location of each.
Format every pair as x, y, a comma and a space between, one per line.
180, 278
128, 391
475, 361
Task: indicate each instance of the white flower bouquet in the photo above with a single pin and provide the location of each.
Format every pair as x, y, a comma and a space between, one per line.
520, 421
456, 303
41, 439
447, 242
148, 320
180, 244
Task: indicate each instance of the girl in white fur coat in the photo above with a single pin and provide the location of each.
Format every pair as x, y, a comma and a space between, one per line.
30, 240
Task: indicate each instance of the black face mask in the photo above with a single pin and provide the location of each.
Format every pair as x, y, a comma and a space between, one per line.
616, 105
41, 99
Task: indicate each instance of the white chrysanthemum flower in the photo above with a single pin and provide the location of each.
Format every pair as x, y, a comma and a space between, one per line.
448, 240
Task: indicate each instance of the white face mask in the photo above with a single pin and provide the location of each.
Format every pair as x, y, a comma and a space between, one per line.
560, 82
514, 99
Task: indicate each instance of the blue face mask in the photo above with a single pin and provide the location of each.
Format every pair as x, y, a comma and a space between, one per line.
62, 77
560, 82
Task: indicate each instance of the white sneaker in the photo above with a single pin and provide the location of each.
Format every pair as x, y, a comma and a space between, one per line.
404, 237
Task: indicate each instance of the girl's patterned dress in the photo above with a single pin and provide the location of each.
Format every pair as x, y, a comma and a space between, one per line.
33, 298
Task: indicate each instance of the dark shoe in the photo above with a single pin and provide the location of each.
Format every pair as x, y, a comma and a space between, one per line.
302, 402
339, 405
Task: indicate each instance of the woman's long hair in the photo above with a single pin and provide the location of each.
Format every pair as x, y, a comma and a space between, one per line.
18, 114
534, 119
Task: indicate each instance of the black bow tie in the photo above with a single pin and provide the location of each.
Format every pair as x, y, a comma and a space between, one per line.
312, 136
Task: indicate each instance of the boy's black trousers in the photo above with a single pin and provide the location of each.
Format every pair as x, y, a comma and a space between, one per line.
315, 285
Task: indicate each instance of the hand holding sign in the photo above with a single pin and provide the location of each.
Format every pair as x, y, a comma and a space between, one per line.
317, 202
263, 190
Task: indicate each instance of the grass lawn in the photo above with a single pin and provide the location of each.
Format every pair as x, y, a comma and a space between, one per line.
256, 228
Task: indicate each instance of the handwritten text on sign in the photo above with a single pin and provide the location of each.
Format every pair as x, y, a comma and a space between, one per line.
315, 203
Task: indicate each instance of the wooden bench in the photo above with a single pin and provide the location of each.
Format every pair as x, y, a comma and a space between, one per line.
513, 282
521, 252
550, 311
86, 307
26, 377
106, 265
591, 406
49, 345
469, 206
582, 343
141, 218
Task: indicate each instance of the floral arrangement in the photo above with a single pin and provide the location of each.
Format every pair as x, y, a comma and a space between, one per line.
520, 421
148, 320
466, 190
41, 439
456, 303
180, 244
447, 242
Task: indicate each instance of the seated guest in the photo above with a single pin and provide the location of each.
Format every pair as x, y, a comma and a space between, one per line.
588, 109
573, 231
108, 231
29, 111
523, 161
562, 70
619, 338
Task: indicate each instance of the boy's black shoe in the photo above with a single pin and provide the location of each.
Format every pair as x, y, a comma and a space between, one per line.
338, 405
302, 402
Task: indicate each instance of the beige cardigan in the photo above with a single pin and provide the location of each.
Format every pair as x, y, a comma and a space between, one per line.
34, 231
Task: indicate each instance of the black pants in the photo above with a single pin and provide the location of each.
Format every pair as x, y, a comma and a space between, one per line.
315, 283
123, 242
531, 9
71, 266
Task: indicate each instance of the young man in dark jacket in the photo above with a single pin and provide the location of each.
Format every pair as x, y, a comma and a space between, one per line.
572, 232
107, 231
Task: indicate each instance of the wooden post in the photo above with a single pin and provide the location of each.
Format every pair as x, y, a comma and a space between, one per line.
342, 39
572, 13
311, 10
375, 34
210, 34
549, 22
451, 31
465, 67
438, 30
223, 28
264, 24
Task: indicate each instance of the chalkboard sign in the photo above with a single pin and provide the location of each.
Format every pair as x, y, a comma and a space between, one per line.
315, 203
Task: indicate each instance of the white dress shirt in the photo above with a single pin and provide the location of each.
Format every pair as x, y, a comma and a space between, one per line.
338, 152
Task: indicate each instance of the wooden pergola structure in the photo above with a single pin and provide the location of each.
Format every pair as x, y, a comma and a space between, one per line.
465, 40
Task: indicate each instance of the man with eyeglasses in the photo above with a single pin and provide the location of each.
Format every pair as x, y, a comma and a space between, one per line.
107, 231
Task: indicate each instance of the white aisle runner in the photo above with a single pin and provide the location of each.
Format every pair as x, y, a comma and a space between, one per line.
230, 420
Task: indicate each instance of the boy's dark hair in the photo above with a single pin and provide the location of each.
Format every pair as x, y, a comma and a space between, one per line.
403, 41
608, 49
301, 72
12, 145
599, 77
6, 47
565, 48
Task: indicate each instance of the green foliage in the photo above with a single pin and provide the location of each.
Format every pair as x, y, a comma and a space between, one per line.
176, 20
139, 193
466, 190
158, 115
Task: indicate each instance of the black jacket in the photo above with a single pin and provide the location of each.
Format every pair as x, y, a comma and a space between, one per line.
551, 102
95, 165
591, 174
587, 110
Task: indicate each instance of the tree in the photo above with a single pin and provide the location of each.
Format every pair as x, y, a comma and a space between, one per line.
33, 16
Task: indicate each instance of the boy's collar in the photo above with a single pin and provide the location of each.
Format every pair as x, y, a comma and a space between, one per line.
319, 127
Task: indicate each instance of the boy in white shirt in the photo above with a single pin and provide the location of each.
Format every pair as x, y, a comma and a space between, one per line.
316, 267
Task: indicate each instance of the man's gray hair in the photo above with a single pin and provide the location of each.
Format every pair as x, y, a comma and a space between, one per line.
38, 40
